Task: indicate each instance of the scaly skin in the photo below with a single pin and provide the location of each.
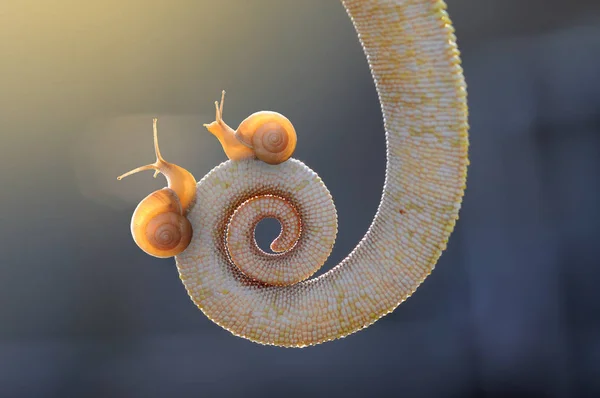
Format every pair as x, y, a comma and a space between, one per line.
414, 61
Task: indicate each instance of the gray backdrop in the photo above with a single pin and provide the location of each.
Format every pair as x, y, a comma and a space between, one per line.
511, 309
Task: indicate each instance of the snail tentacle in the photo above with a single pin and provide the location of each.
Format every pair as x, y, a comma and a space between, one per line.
178, 179
159, 166
234, 148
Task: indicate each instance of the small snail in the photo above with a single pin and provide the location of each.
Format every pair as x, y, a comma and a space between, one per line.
268, 136
159, 225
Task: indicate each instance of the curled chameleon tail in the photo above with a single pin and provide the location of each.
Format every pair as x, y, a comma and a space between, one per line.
269, 298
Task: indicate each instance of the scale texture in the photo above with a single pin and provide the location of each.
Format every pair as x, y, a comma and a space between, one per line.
412, 54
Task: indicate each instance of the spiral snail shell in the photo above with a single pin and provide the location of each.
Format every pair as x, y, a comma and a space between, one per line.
158, 225
266, 135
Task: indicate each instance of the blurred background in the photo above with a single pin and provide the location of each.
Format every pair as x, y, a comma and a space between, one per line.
511, 309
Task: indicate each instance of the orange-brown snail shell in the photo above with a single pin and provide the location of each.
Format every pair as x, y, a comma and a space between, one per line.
158, 225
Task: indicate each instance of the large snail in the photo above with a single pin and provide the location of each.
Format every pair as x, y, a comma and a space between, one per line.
158, 225
268, 297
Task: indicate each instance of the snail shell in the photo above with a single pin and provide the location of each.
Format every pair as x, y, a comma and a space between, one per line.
158, 225
270, 134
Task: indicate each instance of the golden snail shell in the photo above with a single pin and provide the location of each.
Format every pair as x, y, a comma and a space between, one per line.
158, 225
268, 136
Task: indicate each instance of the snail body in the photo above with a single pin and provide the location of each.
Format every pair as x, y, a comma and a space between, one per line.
158, 225
266, 135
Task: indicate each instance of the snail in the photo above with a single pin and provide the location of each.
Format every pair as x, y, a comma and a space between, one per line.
158, 225
266, 135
